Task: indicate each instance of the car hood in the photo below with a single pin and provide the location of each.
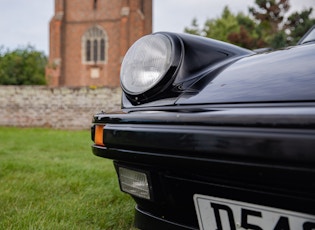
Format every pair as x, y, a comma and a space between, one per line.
283, 75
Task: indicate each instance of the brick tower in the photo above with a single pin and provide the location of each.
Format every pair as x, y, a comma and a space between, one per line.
88, 39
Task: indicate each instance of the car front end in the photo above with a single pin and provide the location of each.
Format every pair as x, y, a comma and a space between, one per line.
213, 136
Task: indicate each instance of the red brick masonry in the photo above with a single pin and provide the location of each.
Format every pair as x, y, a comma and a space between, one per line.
124, 21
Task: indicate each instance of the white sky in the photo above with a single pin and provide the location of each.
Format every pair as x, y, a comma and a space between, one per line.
24, 22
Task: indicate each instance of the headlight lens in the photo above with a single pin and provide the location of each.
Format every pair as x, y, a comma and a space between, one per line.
146, 63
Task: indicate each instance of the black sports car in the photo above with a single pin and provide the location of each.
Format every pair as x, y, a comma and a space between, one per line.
214, 136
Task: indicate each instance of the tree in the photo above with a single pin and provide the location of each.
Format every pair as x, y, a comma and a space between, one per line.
215, 28
270, 13
194, 29
220, 28
22, 67
244, 39
267, 26
249, 35
298, 24
237, 29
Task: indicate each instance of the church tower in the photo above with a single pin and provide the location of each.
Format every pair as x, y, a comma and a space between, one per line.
89, 38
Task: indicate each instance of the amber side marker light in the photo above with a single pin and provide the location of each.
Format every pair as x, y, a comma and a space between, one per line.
98, 139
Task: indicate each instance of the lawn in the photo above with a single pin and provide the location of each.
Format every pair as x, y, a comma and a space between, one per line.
49, 179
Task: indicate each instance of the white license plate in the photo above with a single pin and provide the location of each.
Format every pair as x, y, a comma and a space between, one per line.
222, 214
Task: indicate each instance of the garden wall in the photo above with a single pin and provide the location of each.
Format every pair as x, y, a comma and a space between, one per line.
60, 108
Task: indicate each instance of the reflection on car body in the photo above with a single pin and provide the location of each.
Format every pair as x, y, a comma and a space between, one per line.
214, 136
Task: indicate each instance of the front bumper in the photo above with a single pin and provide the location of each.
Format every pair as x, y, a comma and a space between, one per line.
269, 163
176, 179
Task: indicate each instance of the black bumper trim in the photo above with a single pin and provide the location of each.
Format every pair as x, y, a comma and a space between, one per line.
145, 220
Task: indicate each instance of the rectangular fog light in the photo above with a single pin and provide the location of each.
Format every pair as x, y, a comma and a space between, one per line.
134, 183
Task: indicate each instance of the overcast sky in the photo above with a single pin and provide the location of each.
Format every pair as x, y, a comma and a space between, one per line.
24, 22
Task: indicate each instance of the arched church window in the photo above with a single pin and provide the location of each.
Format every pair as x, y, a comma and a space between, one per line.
94, 46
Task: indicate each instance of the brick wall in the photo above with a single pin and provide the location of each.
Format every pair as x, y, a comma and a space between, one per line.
60, 108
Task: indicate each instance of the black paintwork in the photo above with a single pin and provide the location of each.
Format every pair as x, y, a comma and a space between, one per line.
308, 37
284, 75
241, 76
194, 57
242, 129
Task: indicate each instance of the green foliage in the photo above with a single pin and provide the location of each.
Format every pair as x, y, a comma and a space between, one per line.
194, 29
298, 24
237, 29
22, 67
270, 13
278, 40
50, 179
267, 25
220, 27
248, 36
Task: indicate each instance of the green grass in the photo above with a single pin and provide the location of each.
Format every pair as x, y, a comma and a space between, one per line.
49, 179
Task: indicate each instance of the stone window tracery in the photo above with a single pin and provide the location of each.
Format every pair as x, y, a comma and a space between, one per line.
94, 46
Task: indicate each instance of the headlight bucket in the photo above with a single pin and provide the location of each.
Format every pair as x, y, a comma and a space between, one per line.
161, 66
149, 66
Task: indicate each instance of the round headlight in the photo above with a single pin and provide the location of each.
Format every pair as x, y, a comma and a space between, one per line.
146, 63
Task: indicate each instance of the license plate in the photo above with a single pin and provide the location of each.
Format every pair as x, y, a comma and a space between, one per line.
223, 214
